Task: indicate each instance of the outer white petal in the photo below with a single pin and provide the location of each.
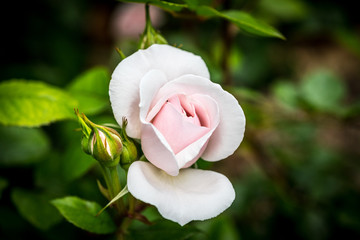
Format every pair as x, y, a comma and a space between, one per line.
192, 195
230, 131
124, 85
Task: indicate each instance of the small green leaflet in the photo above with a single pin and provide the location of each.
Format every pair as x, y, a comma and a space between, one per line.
122, 193
82, 213
33, 103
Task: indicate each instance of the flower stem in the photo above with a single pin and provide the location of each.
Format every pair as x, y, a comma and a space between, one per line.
147, 15
112, 181
132, 202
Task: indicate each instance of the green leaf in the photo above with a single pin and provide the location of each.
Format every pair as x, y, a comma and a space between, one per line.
208, 12
33, 103
221, 227
75, 162
243, 20
286, 10
22, 146
168, 6
323, 90
163, 230
122, 193
251, 25
35, 208
91, 89
349, 39
47, 175
82, 214
194, 4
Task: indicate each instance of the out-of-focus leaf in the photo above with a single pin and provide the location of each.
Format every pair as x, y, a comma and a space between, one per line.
349, 39
285, 9
243, 20
193, 4
35, 208
162, 230
82, 213
33, 103
323, 90
220, 227
3, 184
208, 12
91, 90
168, 6
286, 94
251, 25
75, 162
47, 174
245, 94
352, 110
22, 146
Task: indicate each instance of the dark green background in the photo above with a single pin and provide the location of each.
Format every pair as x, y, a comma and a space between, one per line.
297, 172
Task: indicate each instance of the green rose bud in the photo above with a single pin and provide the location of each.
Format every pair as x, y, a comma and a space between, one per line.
85, 144
106, 146
102, 143
129, 153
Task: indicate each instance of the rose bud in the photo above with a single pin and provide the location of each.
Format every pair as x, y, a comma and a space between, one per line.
106, 146
129, 151
128, 155
102, 143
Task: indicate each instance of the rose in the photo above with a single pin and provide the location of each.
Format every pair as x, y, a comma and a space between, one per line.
180, 116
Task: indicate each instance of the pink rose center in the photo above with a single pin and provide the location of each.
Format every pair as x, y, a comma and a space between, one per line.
182, 120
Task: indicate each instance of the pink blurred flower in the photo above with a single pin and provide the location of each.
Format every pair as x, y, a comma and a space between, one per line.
129, 20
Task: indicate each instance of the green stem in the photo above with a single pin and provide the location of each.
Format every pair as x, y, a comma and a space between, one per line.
132, 202
123, 228
117, 188
147, 14
113, 184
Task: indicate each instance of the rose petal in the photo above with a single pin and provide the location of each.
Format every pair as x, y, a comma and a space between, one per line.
230, 131
192, 195
154, 145
176, 128
124, 85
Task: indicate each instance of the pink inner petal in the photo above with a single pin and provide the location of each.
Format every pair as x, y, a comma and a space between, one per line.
182, 121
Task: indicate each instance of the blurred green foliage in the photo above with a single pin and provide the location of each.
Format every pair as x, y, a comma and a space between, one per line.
296, 174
